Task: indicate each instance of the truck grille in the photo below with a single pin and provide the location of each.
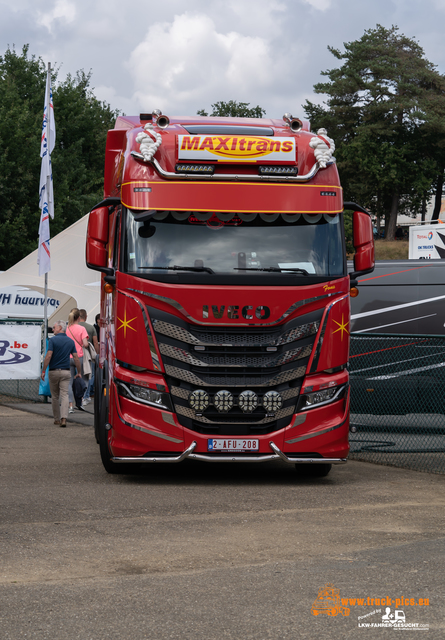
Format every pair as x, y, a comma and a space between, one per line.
232, 361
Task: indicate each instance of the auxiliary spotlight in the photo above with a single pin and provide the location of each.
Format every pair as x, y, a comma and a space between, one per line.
248, 401
223, 401
272, 401
199, 400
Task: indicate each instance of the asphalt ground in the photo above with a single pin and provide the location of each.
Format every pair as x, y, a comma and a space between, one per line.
200, 551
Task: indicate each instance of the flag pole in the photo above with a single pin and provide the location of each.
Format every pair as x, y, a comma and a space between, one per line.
48, 179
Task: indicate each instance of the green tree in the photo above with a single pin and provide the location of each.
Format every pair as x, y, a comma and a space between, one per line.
234, 109
386, 112
78, 157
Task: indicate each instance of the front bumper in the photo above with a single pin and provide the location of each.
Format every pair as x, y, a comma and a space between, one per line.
189, 453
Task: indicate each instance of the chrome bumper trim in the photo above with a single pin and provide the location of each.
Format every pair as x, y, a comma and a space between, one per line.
188, 453
142, 460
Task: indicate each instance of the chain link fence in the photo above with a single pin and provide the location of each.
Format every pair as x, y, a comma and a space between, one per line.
398, 401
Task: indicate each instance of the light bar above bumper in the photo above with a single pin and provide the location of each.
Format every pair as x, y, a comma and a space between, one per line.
189, 453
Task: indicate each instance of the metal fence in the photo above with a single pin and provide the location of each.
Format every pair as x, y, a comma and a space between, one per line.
398, 401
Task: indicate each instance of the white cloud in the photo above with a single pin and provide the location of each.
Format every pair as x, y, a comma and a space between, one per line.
321, 5
109, 95
181, 57
63, 10
188, 63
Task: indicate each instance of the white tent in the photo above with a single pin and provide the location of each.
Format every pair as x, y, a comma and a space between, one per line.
69, 281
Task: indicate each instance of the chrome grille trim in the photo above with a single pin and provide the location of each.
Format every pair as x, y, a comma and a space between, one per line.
176, 353
173, 331
234, 340
227, 380
190, 413
180, 393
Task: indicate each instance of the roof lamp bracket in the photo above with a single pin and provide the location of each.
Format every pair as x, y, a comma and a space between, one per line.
170, 175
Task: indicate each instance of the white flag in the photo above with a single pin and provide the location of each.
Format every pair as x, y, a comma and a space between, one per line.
46, 196
43, 254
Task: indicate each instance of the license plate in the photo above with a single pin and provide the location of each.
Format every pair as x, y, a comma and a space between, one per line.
231, 444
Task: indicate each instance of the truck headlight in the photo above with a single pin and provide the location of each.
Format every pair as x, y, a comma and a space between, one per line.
158, 399
324, 396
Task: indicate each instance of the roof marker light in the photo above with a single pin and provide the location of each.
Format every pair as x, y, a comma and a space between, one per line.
277, 170
195, 168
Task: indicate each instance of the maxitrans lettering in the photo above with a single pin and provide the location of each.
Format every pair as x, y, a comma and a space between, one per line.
236, 148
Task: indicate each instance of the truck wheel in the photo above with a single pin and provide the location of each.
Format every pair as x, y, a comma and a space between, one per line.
101, 395
105, 454
98, 393
109, 466
312, 470
102, 433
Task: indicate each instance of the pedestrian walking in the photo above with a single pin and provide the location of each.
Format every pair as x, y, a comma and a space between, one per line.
80, 337
92, 337
60, 351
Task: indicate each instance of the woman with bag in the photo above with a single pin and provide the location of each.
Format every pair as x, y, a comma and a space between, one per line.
90, 354
80, 336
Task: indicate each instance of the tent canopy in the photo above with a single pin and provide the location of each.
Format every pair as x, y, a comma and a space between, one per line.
70, 281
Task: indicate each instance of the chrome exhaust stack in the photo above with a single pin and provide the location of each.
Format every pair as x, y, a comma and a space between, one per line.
159, 119
295, 124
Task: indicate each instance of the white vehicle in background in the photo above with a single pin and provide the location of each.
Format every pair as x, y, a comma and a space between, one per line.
427, 242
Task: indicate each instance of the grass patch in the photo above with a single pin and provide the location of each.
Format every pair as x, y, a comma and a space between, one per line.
391, 249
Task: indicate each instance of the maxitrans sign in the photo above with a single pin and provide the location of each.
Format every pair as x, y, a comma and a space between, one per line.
236, 148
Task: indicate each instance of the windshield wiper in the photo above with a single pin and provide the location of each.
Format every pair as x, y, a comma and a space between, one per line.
176, 268
273, 269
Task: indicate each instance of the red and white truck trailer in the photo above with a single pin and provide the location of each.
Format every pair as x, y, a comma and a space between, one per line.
225, 304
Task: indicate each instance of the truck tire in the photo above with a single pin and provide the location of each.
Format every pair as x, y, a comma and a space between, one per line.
313, 470
98, 392
109, 466
102, 420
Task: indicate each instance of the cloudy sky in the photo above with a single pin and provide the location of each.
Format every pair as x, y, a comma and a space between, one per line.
183, 56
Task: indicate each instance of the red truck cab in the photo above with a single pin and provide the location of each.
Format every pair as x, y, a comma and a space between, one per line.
225, 295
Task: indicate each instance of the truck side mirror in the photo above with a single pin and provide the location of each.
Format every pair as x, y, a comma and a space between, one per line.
363, 239
97, 240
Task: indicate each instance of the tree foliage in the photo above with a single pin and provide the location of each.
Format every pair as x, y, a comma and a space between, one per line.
386, 112
234, 109
77, 160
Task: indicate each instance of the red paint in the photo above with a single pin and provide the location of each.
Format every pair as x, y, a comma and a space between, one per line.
132, 343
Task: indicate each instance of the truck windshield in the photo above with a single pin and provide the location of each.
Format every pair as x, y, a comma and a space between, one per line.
299, 244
